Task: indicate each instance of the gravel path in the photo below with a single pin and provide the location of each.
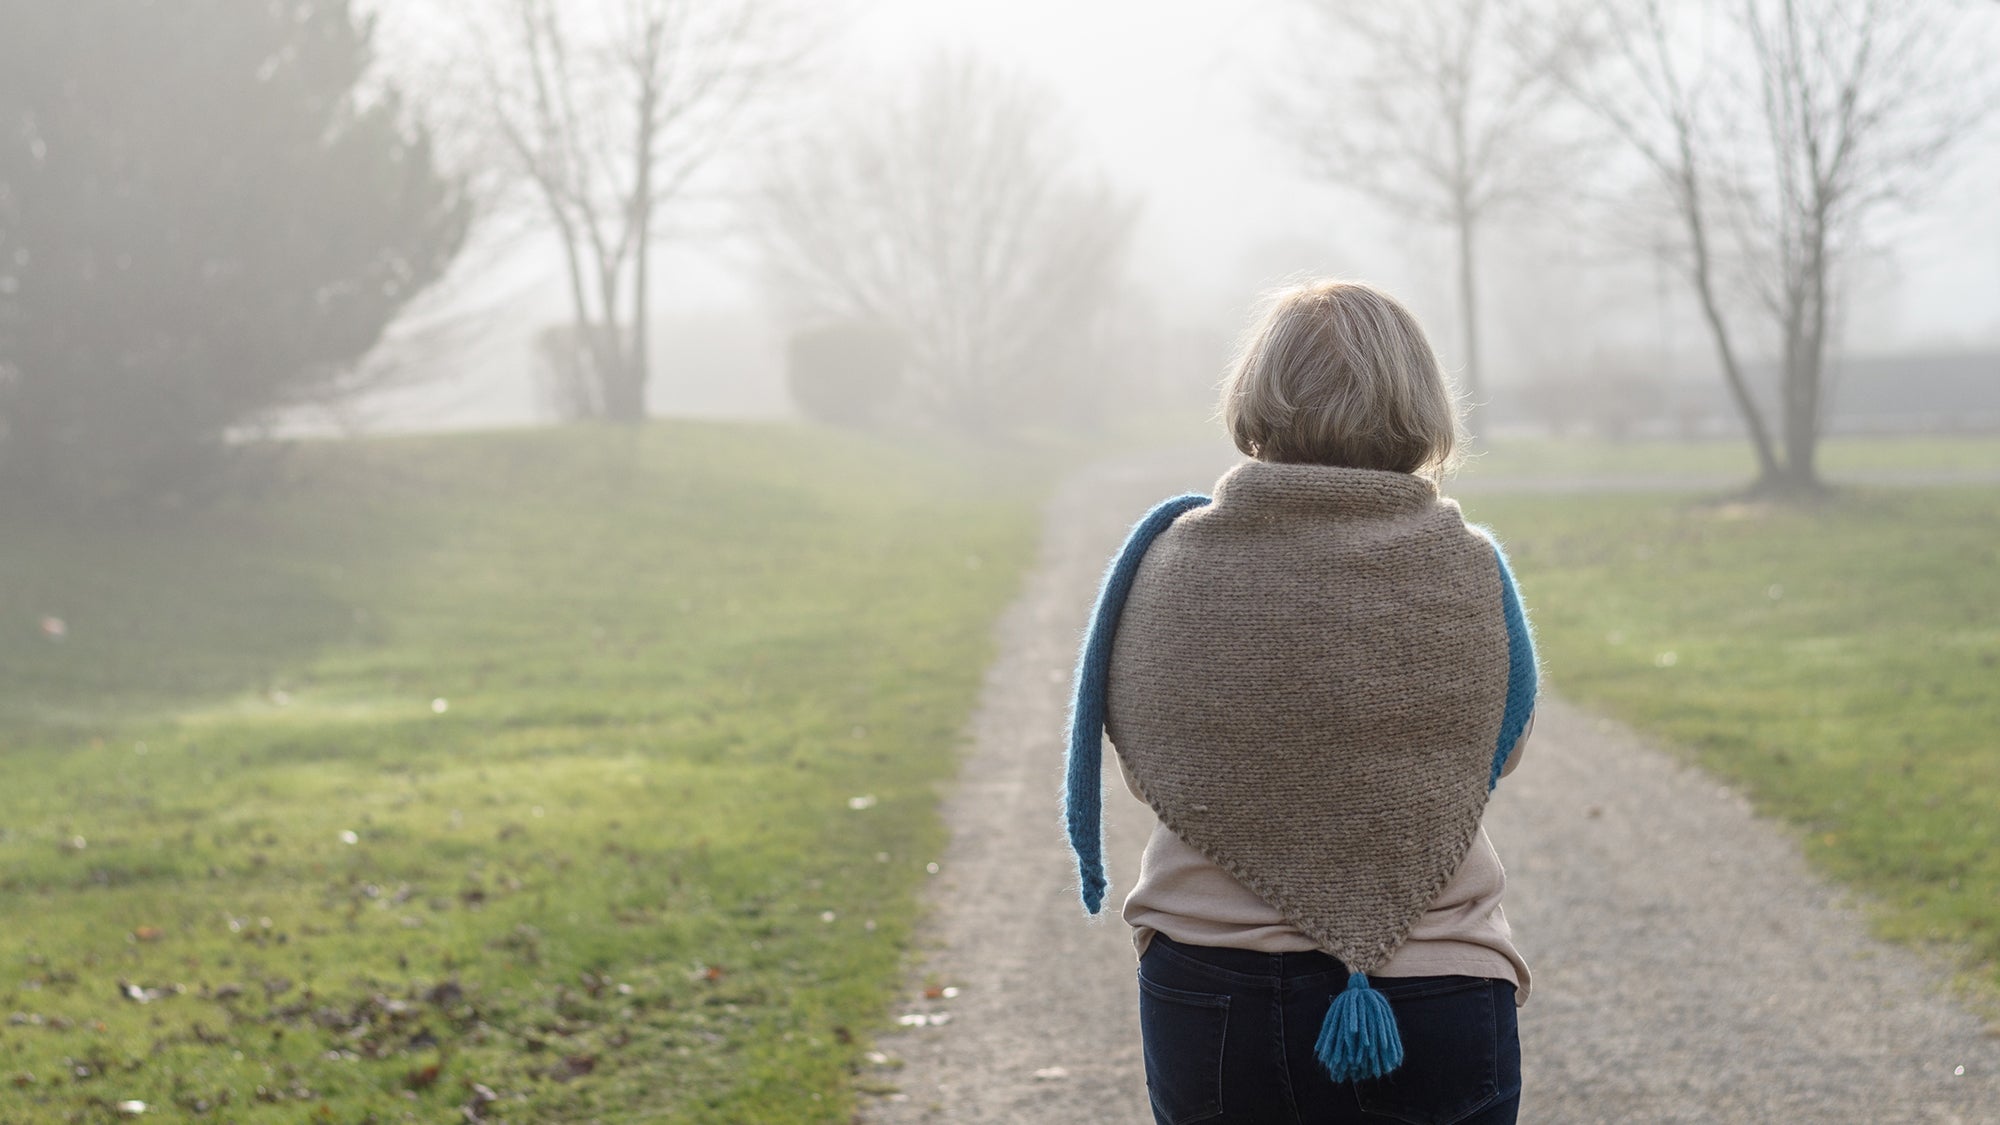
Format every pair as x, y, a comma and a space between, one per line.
1688, 967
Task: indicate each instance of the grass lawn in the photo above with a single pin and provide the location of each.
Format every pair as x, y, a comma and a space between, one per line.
512, 772
1839, 664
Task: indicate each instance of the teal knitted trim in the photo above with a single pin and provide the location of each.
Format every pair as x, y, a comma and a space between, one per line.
1523, 670
1083, 805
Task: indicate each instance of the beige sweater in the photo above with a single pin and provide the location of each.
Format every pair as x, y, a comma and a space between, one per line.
1464, 933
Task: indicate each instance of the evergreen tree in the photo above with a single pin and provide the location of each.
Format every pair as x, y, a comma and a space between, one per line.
209, 210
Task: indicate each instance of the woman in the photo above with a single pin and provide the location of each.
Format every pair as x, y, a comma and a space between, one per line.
1315, 679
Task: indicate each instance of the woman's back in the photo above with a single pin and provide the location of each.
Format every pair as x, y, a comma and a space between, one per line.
1315, 679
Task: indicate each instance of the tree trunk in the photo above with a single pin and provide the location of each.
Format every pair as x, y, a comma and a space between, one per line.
1768, 474
625, 397
609, 346
639, 361
1801, 477
1468, 311
585, 338
624, 392
1805, 368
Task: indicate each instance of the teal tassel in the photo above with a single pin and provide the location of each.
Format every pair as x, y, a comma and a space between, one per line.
1359, 1038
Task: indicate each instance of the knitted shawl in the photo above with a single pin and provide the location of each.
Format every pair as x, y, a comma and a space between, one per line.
1315, 680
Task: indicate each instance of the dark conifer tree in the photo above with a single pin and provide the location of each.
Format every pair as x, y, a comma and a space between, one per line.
210, 210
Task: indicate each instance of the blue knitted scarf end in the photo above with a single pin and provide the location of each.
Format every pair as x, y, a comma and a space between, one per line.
1083, 804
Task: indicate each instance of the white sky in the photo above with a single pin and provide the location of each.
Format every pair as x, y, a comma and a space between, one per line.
1162, 97
1165, 95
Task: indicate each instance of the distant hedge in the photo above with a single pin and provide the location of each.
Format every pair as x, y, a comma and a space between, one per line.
845, 373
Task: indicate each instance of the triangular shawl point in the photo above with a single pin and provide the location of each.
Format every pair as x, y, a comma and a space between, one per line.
1307, 681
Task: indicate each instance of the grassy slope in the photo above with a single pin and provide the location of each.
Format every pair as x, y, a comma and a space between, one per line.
597, 883
1839, 664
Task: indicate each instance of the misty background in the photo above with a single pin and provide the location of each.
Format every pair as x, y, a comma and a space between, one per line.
1170, 104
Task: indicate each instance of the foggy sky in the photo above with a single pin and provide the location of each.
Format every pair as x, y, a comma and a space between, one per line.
1163, 98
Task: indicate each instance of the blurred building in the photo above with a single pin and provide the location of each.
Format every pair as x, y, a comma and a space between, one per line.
1904, 393
1940, 392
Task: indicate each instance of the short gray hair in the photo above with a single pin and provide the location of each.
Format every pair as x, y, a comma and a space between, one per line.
1338, 373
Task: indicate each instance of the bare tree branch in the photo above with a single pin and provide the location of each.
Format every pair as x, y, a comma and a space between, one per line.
952, 215
1435, 114
608, 111
1852, 104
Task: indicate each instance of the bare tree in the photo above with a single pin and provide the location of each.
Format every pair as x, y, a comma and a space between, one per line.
955, 216
1431, 111
607, 110
1779, 129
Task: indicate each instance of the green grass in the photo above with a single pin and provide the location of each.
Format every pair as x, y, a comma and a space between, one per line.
615, 878
1839, 663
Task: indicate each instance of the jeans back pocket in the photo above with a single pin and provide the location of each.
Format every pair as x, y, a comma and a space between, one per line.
1183, 1034
1453, 1052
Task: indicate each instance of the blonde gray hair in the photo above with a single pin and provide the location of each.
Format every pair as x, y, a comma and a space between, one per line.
1338, 373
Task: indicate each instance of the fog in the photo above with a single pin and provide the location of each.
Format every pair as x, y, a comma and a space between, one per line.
1169, 102
513, 514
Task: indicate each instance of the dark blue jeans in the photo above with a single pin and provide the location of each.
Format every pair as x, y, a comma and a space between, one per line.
1229, 1038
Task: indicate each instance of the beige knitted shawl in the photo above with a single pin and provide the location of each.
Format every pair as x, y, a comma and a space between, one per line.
1306, 682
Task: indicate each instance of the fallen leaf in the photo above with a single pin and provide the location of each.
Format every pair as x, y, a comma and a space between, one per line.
424, 1078
573, 1066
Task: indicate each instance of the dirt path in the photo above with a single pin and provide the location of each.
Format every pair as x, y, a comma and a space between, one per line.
1688, 967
